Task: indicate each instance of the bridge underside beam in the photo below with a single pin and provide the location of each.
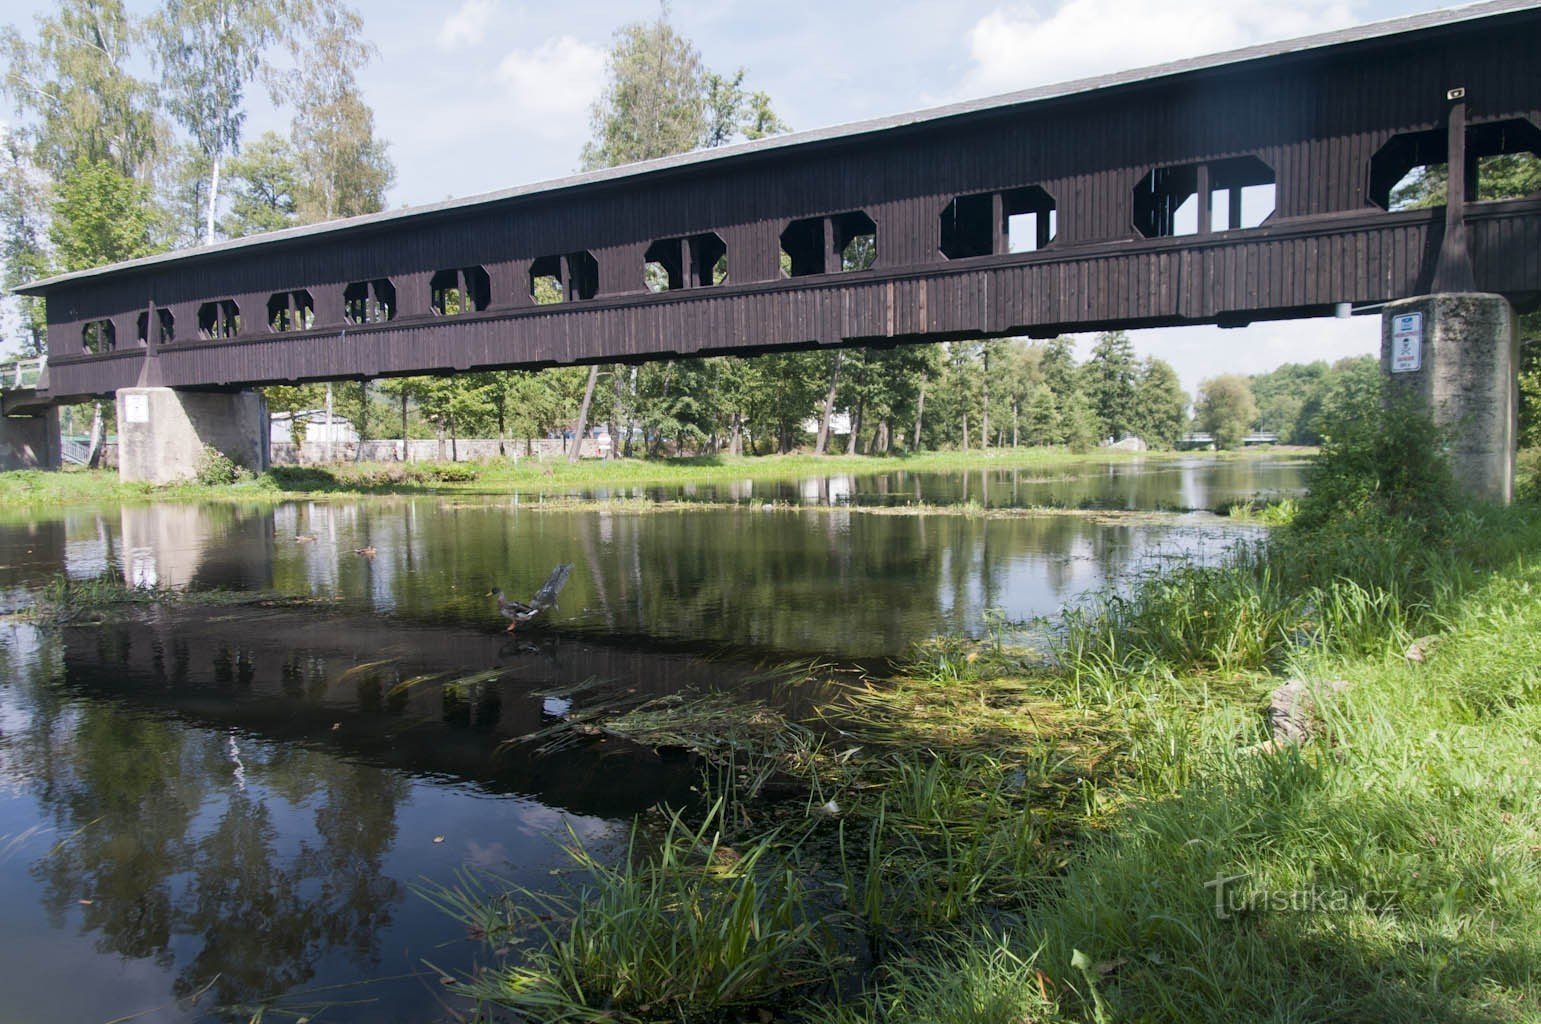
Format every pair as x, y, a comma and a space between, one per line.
165, 435
30, 442
1457, 355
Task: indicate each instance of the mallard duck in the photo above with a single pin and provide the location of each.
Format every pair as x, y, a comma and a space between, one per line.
518, 611
368, 552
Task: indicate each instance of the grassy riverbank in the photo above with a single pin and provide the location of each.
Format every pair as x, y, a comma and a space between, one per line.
1110, 833
30, 489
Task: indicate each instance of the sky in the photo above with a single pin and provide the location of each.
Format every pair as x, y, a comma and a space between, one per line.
478, 95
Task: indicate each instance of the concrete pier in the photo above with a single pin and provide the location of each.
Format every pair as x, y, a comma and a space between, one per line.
1457, 353
162, 433
30, 442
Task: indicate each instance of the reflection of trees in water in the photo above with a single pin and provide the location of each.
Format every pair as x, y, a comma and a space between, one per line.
131, 794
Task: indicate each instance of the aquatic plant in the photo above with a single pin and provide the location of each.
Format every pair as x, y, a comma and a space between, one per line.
681, 929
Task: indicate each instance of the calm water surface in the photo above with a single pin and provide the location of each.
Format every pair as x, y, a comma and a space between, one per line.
209, 810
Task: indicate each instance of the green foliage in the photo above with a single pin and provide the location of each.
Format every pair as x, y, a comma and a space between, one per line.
660, 99
100, 216
1530, 381
1225, 409
262, 184
683, 929
216, 469
342, 169
1381, 461
79, 102
1111, 377
1159, 413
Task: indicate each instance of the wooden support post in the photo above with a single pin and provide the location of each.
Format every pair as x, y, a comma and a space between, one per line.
1234, 214
1000, 227
1454, 273
1202, 188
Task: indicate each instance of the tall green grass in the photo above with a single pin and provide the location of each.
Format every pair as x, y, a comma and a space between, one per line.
685, 929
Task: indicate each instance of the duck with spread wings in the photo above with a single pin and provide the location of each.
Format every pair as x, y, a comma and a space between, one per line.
521, 611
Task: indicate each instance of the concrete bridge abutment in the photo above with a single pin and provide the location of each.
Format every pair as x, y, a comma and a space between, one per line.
1457, 354
163, 432
30, 442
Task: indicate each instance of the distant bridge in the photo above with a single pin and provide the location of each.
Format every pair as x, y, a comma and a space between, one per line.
1201, 439
1221, 190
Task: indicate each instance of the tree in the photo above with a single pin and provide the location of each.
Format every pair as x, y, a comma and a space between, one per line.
1110, 378
343, 170
23, 227
78, 102
1159, 411
263, 183
659, 99
209, 50
1225, 409
101, 216
655, 98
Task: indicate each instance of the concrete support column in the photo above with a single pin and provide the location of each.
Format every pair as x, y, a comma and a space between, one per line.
1457, 354
30, 442
162, 432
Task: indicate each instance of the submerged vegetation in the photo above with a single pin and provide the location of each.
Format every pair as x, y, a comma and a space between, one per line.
1109, 829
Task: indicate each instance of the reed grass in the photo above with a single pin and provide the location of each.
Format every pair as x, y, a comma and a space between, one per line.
686, 929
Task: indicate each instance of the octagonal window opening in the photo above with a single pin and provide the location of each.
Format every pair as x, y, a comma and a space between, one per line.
569, 277
966, 227
1412, 170
1217, 195
856, 240
460, 290
693, 261
1242, 193
165, 326
969, 226
1164, 202
98, 337
1031, 219
802, 248
369, 302
219, 319
291, 311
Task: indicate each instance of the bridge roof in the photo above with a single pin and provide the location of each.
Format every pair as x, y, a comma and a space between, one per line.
795, 140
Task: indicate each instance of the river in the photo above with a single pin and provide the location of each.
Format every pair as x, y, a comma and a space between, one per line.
209, 809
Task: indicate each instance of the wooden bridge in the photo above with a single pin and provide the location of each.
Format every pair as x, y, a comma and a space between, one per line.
1257, 184
1251, 185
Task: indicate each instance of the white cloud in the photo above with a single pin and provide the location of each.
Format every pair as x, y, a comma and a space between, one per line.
468, 25
1016, 47
549, 89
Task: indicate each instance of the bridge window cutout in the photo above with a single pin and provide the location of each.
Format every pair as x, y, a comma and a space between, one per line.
98, 337
569, 278
969, 227
1031, 219
822, 245
369, 302
695, 261
802, 247
1191, 199
166, 327
1165, 203
220, 319
291, 311
460, 290
856, 239
1411, 170
1242, 193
